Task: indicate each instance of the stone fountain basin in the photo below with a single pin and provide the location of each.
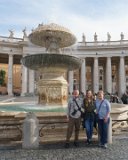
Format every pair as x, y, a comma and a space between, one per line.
119, 111
45, 60
118, 108
43, 32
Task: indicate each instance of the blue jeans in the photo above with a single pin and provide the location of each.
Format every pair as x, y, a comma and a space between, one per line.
103, 130
89, 128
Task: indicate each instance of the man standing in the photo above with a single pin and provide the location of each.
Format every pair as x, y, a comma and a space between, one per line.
103, 111
74, 117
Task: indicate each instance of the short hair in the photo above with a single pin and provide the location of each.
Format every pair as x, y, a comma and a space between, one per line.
100, 91
76, 91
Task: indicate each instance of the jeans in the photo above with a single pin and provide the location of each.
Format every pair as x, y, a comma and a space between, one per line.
89, 128
103, 130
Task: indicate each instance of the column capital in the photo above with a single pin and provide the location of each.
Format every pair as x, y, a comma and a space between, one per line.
10, 55
96, 57
109, 57
122, 56
83, 59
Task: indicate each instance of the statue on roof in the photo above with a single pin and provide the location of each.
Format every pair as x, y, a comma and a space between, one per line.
122, 36
83, 38
41, 24
11, 33
24, 31
108, 36
95, 37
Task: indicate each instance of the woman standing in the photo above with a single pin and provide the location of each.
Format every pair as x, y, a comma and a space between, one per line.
89, 107
103, 112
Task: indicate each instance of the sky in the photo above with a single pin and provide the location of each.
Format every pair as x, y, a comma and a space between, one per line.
80, 16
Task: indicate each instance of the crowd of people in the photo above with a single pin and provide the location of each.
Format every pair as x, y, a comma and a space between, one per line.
91, 108
124, 98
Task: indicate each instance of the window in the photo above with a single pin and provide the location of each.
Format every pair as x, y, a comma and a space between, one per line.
101, 71
101, 78
75, 80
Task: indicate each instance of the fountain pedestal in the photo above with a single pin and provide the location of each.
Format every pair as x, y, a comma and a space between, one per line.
52, 91
52, 86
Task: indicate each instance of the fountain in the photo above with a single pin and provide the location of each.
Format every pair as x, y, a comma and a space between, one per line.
52, 65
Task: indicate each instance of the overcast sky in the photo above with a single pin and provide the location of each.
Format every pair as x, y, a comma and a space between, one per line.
80, 16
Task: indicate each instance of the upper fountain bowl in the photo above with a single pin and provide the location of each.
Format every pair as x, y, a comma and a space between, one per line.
54, 32
44, 60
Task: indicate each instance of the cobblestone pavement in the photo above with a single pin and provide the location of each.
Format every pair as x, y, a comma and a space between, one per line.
118, 150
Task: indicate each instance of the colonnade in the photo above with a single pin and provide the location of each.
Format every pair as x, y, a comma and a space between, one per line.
107, 67
27, 81
28, 76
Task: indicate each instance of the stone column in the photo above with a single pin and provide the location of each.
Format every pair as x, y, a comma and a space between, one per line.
30, 132
24, 80
95, 75
10, 75
104, 77
91, 77
82, 77
31, 81
108, 75
122, 81
70, 81
117, 79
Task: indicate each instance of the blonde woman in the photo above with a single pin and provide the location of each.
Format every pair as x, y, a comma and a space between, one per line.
89, 107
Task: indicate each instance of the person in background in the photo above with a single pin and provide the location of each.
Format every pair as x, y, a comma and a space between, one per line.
74, 118
103, 112
89, 107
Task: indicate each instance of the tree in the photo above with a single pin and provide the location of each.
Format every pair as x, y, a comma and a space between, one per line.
2, 77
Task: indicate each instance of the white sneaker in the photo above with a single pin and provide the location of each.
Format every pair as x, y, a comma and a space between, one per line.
105, 146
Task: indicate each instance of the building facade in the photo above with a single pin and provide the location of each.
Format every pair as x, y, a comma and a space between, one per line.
104, 65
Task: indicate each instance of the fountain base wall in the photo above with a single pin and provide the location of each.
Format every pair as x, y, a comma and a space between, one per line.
52, 125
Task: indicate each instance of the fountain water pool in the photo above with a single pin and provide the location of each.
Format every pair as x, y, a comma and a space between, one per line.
29, 107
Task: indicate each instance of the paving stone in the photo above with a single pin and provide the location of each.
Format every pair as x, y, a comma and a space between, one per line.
56, 151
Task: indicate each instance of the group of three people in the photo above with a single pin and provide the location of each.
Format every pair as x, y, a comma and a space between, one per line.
89, 108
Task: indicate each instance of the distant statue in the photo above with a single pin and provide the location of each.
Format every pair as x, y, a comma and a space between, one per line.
83, 38
32, 29
95, 37
11, 33
24, 31
122, 36
108, 36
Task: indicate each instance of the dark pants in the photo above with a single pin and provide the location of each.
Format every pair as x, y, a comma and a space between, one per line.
73, 123
89, 128
103, 130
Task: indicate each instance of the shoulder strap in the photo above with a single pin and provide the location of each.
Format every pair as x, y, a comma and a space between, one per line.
76, 103
100, 105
